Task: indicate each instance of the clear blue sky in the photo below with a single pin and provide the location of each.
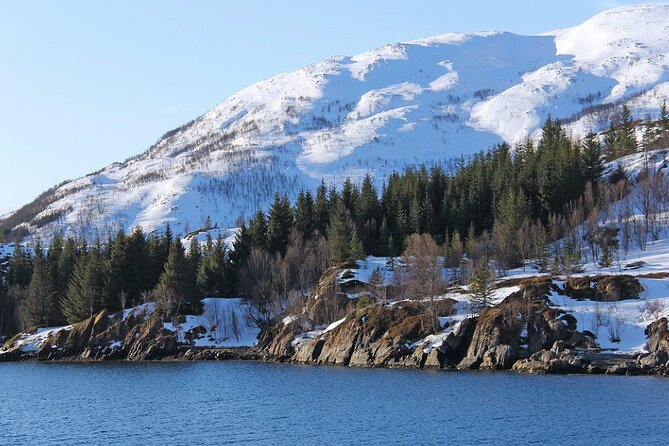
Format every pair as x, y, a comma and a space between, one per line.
87, 83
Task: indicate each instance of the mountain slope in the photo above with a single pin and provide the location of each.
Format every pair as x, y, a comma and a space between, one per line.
401, 104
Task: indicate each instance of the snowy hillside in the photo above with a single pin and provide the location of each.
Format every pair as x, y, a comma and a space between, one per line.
409, 103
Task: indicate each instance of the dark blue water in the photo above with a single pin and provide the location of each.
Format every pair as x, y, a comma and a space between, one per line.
258, 403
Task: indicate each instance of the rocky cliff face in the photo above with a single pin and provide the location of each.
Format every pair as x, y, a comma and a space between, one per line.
399, 336
138, 336
374, 336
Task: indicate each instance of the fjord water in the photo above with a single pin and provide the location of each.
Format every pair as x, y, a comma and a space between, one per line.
263, 403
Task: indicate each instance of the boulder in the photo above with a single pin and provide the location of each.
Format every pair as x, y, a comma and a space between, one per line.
653, 360
470, 363
624, 368
658, 336
549, 361
499, 357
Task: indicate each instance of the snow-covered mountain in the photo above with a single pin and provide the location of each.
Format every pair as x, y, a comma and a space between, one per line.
401, 104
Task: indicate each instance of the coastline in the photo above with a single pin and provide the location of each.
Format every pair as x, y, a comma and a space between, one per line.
613, 364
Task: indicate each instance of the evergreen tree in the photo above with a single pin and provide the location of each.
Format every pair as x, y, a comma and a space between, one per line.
175, 277
279, 225
20, 267
511, 209
321, 210
66, 264
376, 281
592, 158
40, 300
118, 272
618, 174
340, 234
415, 220
627, 136
305, 220
194, 258
136, 259
212, 276
86, 289
481, 286
543, 255
368, 212
611, 143
349, 197
663, 126
357, 251
258, 231
572, 257
241, 248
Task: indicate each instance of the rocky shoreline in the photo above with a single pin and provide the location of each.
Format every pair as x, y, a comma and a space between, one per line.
524, 333
545, 363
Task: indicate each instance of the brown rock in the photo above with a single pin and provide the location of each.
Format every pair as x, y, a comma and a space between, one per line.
498, 358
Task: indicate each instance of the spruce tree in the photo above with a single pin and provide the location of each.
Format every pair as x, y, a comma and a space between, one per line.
481, 286
591, 153
136, 260
611, 143
212, 276
86, 289
118, 272
305, 221
627, 139
194, 262
20, 267
175, 278
663, 123
357, 250
40, 300
543, 255
279, 225
415, 220
66, 264
349, 197
258, 230
241, 249
321, 210
368, 212
340, 234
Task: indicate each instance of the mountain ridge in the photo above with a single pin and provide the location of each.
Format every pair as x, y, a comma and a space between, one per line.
422, 101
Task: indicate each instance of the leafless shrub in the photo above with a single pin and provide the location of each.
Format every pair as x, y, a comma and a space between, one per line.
615, 326
654, 308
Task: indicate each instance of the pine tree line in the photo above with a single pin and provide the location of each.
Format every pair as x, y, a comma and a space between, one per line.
497, 205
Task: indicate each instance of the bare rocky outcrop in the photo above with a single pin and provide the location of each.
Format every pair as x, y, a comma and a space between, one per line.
139, 336
658, 336
375, 336
499, 341
603, 288
657, 359
378, 336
